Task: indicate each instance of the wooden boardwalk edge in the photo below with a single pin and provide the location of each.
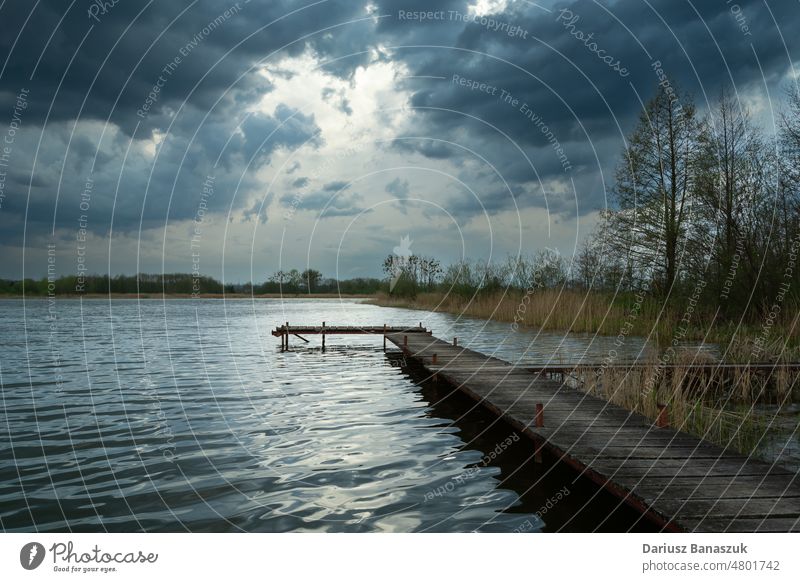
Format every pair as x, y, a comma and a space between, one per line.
660, 472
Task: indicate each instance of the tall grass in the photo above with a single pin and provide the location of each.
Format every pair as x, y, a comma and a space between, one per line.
545, 309
695, 404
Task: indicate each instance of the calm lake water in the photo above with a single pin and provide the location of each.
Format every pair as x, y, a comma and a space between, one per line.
130, 415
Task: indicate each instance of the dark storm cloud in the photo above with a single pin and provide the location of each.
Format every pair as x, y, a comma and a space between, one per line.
333, 200
133, 189
335, 186
545, 76
184, 71
113, 64
398, 188
287, 127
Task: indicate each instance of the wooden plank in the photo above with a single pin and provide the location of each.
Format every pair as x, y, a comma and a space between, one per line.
735, 525
731, 508
683, 469
715, 486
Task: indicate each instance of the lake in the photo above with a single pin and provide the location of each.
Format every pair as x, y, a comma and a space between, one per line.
183, 415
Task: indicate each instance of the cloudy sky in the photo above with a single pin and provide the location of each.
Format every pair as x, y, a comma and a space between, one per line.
249, 136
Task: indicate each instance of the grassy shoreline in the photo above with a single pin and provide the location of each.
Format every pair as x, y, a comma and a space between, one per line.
603, 314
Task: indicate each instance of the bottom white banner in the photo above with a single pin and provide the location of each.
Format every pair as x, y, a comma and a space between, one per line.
373, 557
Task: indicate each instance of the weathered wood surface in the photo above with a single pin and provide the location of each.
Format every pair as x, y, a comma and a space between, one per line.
707, 367
346, 330
683, 482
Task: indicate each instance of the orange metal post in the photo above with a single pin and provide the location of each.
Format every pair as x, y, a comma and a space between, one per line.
662, 420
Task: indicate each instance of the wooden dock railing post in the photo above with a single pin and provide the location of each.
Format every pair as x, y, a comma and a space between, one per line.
662, 420
455, 341
405, 340
434, 358
384, 337
323, 336
538, 422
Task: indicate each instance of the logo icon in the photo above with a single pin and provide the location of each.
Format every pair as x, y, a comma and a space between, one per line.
400, 257
31, 555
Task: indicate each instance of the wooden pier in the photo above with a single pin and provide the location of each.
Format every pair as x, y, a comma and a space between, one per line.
679, 481
284, 331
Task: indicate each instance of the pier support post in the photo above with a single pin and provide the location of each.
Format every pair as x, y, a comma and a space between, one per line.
434, 358
405, 340
455, 341
539, 423
323, 336
539, 418
384, 337
662, 420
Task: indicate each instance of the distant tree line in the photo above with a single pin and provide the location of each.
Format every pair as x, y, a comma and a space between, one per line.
178, 283
288, 283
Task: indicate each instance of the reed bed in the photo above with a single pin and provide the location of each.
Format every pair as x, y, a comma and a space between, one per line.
552, 309
601, 313
716, 406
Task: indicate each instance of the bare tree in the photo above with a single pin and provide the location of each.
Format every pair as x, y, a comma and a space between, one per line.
730, 190
654, 184
587, 267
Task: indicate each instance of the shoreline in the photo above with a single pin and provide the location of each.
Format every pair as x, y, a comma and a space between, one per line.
150, 296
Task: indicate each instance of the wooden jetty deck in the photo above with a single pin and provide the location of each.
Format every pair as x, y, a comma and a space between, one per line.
284, 331
677, 480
